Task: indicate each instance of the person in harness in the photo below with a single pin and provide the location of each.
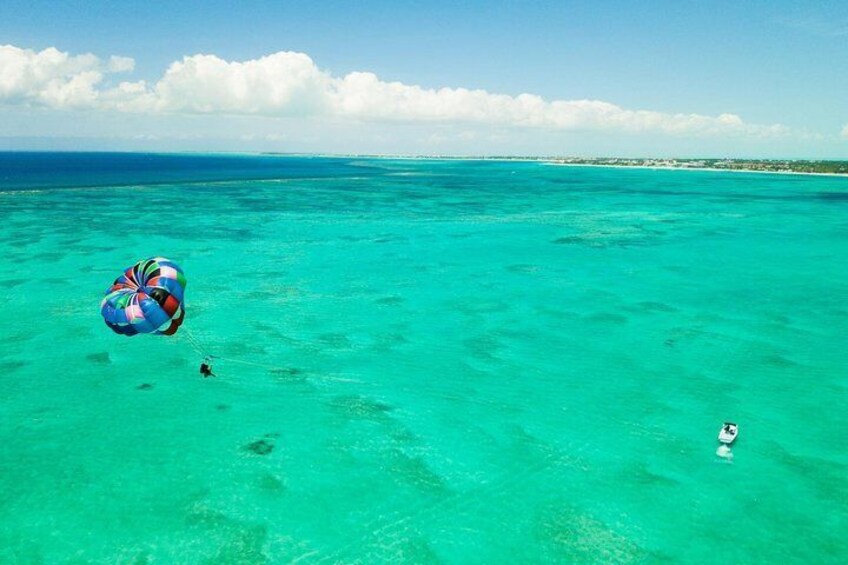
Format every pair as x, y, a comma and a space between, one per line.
206, 367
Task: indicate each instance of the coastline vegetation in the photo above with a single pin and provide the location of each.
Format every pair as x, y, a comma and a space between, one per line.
757, 165
807, 166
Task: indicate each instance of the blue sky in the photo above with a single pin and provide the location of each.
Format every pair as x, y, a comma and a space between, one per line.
658, 77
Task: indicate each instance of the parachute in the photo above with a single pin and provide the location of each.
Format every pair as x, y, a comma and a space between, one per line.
146, 299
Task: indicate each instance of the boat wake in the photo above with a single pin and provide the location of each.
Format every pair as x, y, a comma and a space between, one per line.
725, 452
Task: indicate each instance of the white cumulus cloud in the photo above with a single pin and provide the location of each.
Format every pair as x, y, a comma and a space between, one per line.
120, 64
284, 83
291, 84
845, 131
54, 78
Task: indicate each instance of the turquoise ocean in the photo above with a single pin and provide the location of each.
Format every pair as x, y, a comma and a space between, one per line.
423, 361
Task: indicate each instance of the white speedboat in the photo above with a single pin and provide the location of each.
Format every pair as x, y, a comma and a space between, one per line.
728, 433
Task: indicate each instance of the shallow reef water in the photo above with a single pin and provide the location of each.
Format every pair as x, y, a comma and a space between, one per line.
423, 361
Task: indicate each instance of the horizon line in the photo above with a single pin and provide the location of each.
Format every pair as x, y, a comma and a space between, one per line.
435, 156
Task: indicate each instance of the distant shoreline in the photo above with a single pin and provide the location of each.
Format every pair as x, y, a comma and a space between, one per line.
831, 167
735, 165
702, 169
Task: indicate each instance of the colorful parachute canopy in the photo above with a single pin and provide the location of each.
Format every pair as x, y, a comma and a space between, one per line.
147, 298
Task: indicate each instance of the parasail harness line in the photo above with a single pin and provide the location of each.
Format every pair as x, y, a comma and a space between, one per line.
195, 344
208, 358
